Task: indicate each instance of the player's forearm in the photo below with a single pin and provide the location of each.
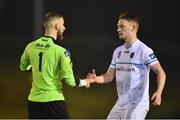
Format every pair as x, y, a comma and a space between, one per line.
104, 78
161, 78
100, 79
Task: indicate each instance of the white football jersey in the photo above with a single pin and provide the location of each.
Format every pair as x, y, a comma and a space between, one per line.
132, 66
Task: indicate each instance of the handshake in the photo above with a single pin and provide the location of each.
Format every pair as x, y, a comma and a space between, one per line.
90, 78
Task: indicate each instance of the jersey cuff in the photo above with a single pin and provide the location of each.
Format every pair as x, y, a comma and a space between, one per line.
112, 65
152, 62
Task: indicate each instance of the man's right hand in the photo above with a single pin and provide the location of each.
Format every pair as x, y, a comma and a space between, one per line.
92, 76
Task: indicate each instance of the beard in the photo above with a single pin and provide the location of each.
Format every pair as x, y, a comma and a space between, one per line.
59, 35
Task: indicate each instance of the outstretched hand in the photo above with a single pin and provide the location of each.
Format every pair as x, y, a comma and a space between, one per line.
91, 76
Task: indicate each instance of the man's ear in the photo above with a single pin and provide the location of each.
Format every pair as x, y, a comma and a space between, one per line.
133, 27
57, 27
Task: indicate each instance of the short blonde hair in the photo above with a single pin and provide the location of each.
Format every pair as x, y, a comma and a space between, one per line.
49, 17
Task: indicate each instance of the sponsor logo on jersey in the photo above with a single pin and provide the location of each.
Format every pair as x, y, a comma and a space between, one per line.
47, 46
39, 45
44, 39
67, 53
152, 56
119, 54
43, 46
126, 51
125, 69
132, 54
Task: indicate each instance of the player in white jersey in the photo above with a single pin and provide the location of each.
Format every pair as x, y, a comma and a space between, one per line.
131, 64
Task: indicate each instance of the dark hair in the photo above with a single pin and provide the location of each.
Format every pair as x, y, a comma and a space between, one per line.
49, 16
130, 17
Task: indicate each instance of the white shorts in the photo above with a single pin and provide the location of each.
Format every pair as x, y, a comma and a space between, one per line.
131, 112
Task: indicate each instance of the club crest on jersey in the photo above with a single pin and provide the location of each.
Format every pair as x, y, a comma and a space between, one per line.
152, 56
119, 54
132, 54
67, 53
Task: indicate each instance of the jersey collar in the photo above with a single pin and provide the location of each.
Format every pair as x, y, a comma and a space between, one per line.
130, 46
54, 41
49, 37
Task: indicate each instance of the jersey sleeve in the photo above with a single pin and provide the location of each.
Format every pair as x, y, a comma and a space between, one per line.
150, 58
67, 71
113, 61
24, 61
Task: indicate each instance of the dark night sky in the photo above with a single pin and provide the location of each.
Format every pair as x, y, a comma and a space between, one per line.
93, 22
91, 33
159, 19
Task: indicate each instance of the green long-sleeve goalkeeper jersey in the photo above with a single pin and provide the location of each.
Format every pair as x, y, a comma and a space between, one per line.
50, 64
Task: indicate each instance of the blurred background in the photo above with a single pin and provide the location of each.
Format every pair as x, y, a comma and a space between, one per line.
91, 37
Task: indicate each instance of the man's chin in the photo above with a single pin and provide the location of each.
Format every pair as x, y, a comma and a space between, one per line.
60, 37
120, 37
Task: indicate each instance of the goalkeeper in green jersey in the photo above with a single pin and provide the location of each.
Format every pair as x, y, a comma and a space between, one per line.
50, 64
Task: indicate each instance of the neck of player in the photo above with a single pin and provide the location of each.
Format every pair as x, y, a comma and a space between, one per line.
51, 33
131, 40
